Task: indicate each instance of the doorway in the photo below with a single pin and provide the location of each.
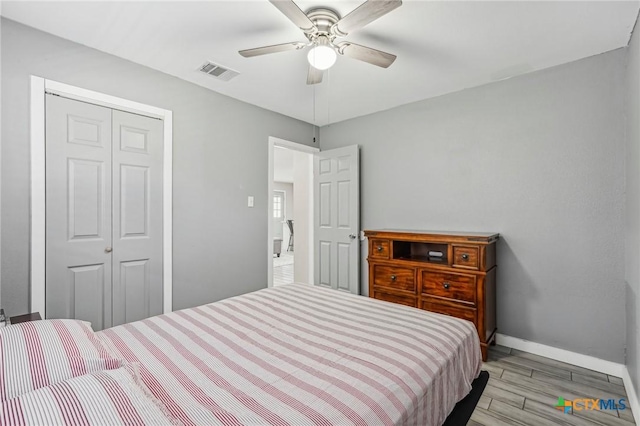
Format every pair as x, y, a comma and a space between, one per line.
283, 243
290, 228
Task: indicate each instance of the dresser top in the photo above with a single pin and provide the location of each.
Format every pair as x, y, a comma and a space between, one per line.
487, 237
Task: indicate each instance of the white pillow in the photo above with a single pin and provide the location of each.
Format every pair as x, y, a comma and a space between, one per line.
40, 353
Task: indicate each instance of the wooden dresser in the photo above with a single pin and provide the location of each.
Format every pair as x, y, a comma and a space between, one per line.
446, 272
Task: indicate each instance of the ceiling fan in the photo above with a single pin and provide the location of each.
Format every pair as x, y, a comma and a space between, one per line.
322, 26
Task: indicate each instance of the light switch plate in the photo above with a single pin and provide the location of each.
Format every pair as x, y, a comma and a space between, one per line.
250, 201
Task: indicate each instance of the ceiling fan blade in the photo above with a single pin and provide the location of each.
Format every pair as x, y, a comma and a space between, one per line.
248, 53
314, 76
295, 15
364, 14
366, 54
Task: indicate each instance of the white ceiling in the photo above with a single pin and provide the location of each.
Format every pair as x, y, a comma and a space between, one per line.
442, 46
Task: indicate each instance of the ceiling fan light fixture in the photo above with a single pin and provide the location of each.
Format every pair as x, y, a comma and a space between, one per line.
322, 57
322, 26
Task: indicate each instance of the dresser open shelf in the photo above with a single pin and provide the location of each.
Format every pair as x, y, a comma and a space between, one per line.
451, 273
419, 252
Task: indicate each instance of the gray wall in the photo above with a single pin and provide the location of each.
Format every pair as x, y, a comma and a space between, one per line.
220, 157
632, 231
538, 158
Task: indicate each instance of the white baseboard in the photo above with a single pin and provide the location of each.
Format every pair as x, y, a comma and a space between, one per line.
585, 361
632, 395
580, 360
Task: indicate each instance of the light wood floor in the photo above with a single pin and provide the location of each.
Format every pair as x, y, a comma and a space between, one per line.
282, 275
523, 389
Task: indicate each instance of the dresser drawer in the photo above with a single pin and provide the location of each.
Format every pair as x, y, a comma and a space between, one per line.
462, 312
394, 277
379, 249
466, 257
394, 298
457, 287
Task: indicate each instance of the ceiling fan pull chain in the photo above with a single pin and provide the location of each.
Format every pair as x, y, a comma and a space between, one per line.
328, 96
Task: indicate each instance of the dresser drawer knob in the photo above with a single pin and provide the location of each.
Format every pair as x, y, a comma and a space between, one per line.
379, 248
446, 285
465, 256
393, 277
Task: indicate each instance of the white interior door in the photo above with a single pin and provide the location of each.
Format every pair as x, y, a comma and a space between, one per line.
278, 215
137, 218
78, 211
337, 219
103, 213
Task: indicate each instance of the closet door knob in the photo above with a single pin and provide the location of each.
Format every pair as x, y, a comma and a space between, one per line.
108, 250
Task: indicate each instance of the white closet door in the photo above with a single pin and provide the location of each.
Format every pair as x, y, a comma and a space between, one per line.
104, 213
78, 210
137, 219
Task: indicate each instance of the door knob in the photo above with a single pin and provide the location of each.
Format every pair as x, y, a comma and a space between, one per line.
108, 250
353, 236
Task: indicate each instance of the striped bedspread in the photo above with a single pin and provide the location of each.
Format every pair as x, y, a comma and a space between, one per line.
109, 397
302, 355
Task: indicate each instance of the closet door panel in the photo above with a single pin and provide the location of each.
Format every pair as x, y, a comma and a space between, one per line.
137, 220
78, 211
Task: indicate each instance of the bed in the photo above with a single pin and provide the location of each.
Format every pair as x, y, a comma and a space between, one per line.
297, 355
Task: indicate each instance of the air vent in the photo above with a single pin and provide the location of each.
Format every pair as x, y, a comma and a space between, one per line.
218, 72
